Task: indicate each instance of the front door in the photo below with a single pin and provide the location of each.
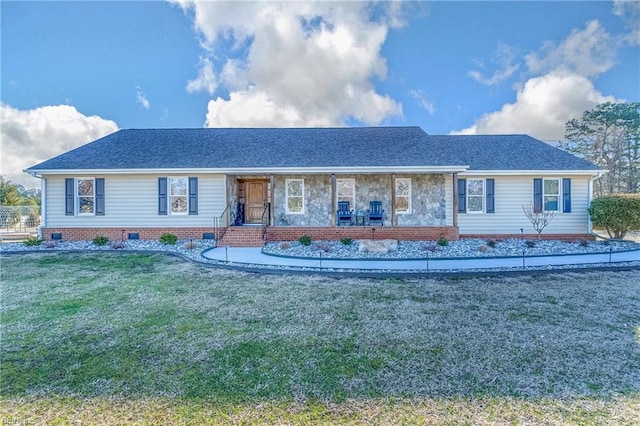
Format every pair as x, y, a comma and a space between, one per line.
256, 195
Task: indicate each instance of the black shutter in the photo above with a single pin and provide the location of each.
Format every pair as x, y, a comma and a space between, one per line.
193, 195
566, 195
99, 196
537, 195
69, 195
162, 196
491, 207
462, 195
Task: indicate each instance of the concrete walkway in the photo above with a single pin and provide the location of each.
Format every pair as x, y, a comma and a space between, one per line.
255, 258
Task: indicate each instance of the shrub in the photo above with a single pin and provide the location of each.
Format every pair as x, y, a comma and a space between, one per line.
32, 241
430, 247
530, 244
323, 246
100, 240
346, 241
191, 245
483, 249
443, 242
305, 240
168, 238
617, 214
491, 243
116, 245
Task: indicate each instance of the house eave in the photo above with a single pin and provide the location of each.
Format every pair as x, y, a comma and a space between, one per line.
260, 170
557, 172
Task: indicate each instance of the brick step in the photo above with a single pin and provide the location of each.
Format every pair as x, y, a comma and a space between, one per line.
242, 237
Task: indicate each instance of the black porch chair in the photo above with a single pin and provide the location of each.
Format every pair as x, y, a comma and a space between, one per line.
375, 214
344, 213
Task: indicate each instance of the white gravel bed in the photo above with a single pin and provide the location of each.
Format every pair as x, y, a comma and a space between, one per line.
193, 249
463, 248
189, 248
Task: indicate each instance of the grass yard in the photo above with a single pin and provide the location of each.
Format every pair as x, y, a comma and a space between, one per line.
150, 339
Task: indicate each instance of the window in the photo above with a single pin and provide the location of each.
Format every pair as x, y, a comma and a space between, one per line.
403, 196
294, 195
475, 195
551, 194
178, 195
85, 192
347, 191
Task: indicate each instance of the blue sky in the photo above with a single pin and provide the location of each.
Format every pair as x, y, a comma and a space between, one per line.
74, 71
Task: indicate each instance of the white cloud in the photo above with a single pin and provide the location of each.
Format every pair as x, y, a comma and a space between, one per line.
206, 80
32, 136
560, 86
297, 63
629, 12
422, 100
504, 56
588, 52
142, 98
543, 105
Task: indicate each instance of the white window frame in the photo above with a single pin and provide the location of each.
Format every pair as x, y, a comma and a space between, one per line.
483, 197
557, 195
408, 196
352, 197
172, 196
287, 196
77, 196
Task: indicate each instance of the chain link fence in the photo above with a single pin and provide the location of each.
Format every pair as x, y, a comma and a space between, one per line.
19, 219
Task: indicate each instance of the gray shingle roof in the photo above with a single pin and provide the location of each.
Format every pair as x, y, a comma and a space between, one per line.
310, 147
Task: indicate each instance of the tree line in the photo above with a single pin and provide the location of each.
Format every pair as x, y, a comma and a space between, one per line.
14, 194
609, 136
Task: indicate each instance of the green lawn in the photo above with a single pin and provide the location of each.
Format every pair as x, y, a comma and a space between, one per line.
141, 339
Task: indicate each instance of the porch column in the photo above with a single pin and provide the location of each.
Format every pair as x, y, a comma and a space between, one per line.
333, 199
455, 199
393, 199
272, 210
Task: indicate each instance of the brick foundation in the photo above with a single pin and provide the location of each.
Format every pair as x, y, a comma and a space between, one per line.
292, 233
88, 234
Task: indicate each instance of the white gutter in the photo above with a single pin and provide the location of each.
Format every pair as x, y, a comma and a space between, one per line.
531, 172
262, 170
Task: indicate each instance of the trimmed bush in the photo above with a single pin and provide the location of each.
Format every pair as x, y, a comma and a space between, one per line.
617, 214
168, 238
530, 244
346, 241
100, 240
305, 240
443, 242
32, 241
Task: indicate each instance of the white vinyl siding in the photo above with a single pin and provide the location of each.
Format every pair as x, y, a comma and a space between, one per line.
132, 201
511, 193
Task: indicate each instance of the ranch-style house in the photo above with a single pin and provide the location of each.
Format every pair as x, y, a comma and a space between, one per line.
246, 186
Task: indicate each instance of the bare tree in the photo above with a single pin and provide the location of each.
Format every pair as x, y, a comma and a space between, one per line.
540, 219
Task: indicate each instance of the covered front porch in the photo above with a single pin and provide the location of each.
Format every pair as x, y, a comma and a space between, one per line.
414, 206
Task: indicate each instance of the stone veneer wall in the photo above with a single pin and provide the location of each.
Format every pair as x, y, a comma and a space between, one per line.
428, 206
317, 201
427, 199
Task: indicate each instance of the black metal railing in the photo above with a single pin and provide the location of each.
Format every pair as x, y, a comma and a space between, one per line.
266, 219
221, 223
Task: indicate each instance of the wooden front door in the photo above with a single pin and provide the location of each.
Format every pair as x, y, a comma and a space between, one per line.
256, 194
